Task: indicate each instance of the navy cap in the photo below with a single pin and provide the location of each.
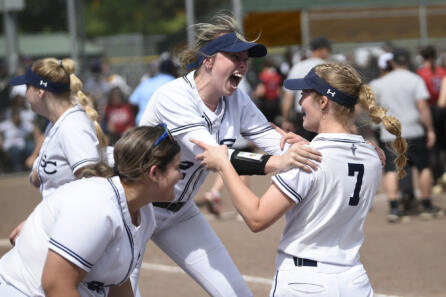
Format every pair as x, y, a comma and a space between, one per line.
312, 81
32, 78
229, 43
401, 56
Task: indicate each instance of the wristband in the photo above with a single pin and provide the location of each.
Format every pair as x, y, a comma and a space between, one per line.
246, 163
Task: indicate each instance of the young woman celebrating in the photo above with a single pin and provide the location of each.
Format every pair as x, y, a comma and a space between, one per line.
207, 104
73, 139
325, 209
89, 235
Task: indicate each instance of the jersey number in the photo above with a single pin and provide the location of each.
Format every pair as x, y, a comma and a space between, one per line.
352, 168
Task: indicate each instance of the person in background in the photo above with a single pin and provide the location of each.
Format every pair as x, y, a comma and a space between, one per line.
268, 91
404, 95
141, 95
432, 74
320, 51
119, 115
14, 140
86, 238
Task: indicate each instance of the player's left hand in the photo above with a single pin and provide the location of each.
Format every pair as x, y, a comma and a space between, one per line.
300, 156
212, 156
289, 137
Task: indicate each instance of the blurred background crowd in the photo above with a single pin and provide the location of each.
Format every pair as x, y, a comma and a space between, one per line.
126, 51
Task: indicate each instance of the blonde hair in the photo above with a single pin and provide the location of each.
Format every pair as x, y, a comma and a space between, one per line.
345, 78
205, 32
62, 71
135, 154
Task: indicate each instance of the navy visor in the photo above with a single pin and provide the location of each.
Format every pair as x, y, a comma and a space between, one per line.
312, 81
37, 81
228, 43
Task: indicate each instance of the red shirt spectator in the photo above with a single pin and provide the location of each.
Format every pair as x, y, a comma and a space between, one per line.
432, 79
272, 82
119, 115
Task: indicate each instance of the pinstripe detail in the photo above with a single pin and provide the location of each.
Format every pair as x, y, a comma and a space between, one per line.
275, 282
83, 161
127, 229
228, 141
189, 182
258, 132
208, 120
337, 140
187, 81
288, 188
71, 253
185, 127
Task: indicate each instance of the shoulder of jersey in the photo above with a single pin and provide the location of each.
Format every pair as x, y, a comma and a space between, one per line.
92, 192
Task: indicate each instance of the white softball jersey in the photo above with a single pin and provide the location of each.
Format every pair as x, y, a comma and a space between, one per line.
88, 223
179, 105
69, 144
332, 203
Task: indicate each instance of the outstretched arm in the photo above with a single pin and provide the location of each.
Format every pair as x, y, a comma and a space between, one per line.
60, 277
257, 213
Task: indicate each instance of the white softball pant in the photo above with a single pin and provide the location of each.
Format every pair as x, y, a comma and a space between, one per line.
186, 237
325, 280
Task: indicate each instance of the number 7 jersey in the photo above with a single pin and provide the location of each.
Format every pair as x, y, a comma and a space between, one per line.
332, 203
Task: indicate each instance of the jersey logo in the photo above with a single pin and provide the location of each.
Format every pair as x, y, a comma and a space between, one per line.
331, 93
50, 164
43, 83
354, 148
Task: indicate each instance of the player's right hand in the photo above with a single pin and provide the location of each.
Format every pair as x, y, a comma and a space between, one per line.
212, 157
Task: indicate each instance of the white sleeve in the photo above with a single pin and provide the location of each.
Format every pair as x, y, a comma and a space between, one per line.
177, 108
82, 232
255, 127
295, 183
80, 146
201, 134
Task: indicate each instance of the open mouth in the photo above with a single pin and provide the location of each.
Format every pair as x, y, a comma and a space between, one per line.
235, 79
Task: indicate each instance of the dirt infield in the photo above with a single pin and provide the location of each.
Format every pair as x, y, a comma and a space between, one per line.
406, 259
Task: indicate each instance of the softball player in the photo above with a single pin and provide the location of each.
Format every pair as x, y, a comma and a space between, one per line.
325, 209
89, 235
73, 139
207, 104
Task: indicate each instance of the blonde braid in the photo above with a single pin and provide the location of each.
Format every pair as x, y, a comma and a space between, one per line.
76, 90
345, 78
391, 124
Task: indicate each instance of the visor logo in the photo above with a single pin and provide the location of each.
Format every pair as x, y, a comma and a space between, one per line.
43, 83
331, 93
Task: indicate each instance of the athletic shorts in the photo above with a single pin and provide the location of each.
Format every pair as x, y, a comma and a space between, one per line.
417, 154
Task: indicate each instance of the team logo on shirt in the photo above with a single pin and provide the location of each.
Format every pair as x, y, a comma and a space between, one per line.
354, 148
49, 167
